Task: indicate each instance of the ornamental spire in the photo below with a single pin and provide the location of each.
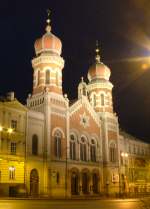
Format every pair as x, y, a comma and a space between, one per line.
97, 57
48, 27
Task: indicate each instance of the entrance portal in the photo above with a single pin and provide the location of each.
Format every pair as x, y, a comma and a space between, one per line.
34, 183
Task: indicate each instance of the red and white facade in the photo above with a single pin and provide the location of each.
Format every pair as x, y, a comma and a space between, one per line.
71, 149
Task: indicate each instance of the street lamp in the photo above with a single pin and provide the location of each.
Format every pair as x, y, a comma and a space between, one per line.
10, 130
124, 156
1, 128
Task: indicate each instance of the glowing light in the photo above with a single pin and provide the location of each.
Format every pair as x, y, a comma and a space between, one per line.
124, 154
10, 130
145, 66
1, 128
11, 168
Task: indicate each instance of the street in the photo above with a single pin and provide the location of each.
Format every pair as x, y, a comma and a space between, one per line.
72, 204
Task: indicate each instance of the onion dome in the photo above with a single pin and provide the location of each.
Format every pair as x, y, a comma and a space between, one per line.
48, 42
98, 70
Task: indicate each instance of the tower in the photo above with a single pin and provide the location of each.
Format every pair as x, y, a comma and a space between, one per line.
100, 96
47, 67
48, 116
99, 87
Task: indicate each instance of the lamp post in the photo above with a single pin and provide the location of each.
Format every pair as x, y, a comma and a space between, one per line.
124, 163
1, 129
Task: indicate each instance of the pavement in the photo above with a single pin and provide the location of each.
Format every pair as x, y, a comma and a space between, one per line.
73, 204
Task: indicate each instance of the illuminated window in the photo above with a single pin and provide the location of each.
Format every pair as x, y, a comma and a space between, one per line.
47, 80
13, 146
57, 144
14, 124
72, 148
34, 144
112, 152
12, 173
83, 148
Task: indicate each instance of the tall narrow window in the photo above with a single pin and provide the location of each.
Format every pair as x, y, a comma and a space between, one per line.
93, 151
102, 100
112, 152
34, 144
83, 155
12, 173
13, 148
57, 144
47, 77
72, 148
94, 100
38, 77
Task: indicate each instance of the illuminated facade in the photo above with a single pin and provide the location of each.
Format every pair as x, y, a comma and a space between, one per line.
73, 148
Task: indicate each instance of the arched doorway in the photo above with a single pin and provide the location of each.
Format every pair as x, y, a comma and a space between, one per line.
74, 183
85, 183
34, 182
95, 181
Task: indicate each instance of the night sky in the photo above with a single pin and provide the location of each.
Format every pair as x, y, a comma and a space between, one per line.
122, 28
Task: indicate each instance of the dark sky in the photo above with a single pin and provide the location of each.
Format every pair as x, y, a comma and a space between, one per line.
122, 29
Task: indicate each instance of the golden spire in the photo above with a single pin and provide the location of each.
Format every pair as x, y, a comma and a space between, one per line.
48, 27
97, 57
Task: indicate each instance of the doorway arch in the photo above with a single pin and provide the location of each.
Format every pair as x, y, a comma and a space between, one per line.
95, 180
34, 183
74, 183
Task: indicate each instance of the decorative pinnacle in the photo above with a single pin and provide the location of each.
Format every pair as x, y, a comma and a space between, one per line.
97, 57
48, 27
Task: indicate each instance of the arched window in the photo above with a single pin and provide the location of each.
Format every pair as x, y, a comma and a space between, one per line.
102, 100
72, 147
47, 77
57, 144
112, 152
93, 151
83, 155
94, 100
34, 144
84, 91
38, 77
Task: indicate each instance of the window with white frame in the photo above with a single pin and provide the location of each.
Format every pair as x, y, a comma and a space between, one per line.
14, 124
12, 172
72, 147
13, 147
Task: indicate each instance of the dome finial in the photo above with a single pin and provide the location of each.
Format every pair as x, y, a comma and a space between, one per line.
97, 57
48, 27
